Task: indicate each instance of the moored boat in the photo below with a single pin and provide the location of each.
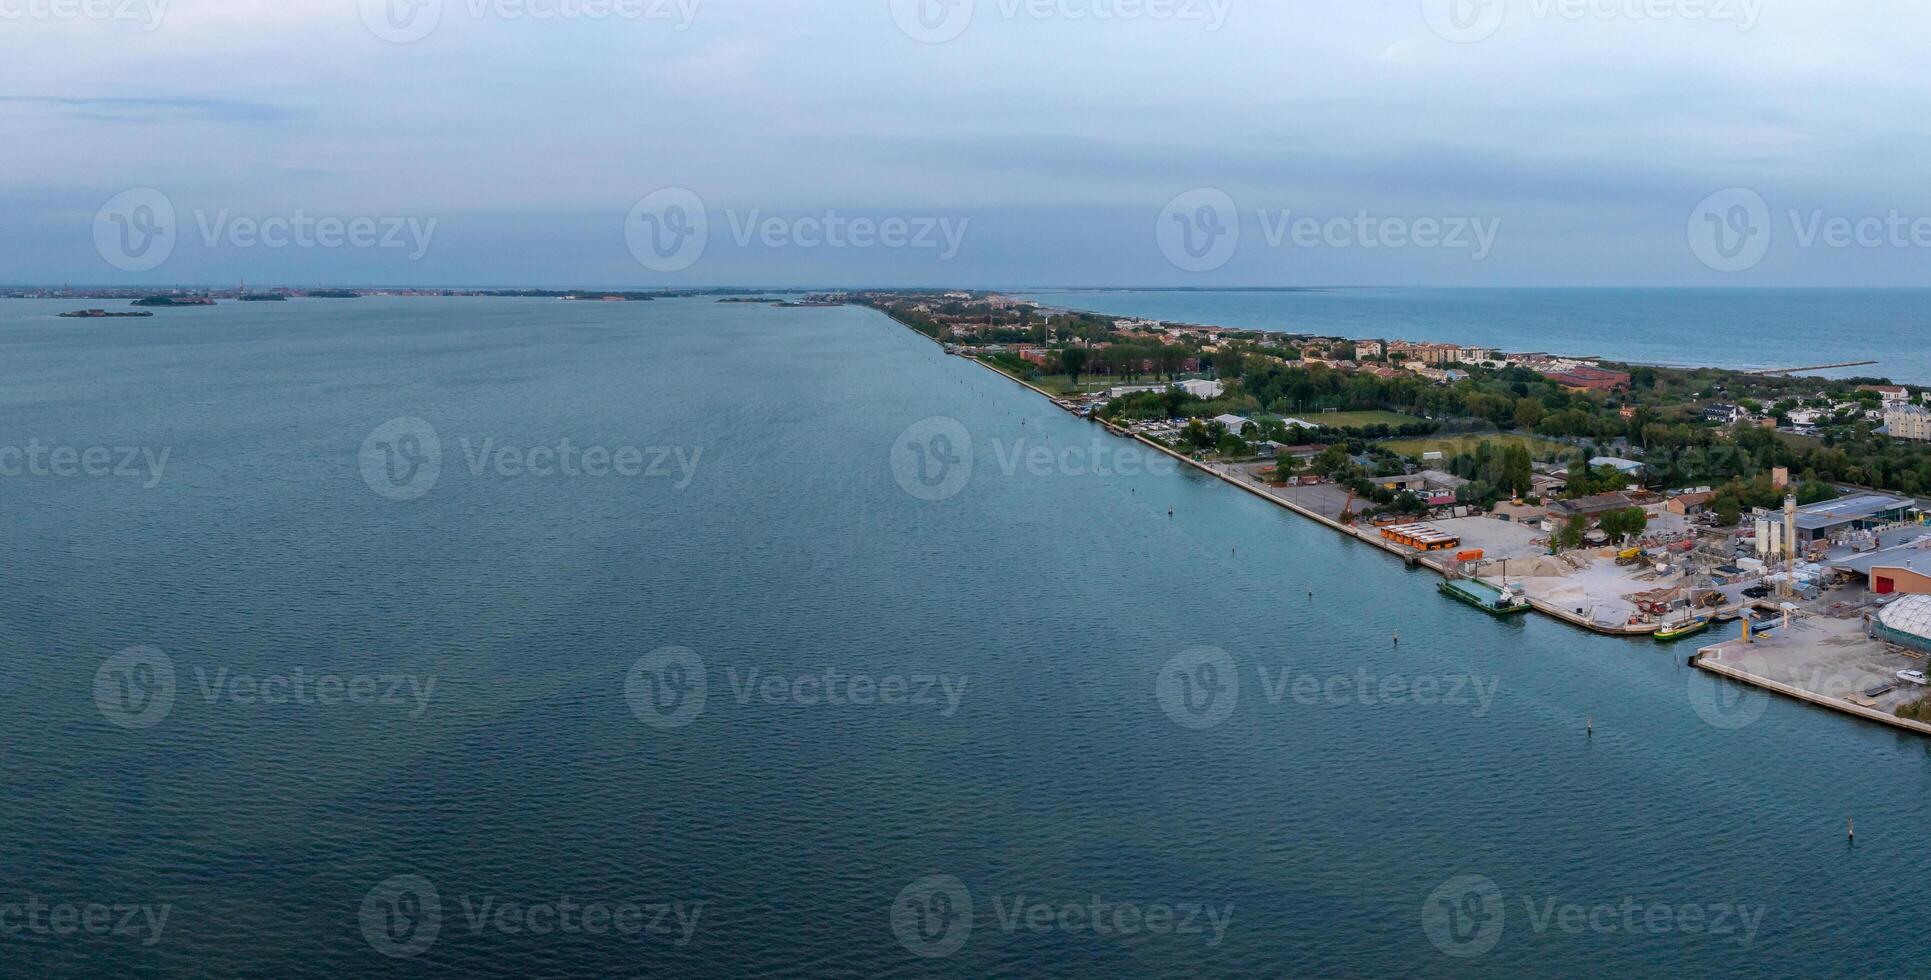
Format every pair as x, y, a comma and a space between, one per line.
1502, 601
1682, 628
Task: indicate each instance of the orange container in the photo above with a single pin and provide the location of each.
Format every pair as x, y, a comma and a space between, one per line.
1475, 555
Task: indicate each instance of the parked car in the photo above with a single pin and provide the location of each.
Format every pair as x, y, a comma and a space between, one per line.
1911, 676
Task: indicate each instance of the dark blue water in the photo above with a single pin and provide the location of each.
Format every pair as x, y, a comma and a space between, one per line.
1321, 827
1731, 328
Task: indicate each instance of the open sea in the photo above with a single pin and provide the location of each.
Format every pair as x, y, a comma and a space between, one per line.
873, 664
1746, 329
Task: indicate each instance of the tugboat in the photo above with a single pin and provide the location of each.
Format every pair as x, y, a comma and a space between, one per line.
1496, 601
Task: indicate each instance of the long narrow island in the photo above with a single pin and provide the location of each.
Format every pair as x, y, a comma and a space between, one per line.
1630, 500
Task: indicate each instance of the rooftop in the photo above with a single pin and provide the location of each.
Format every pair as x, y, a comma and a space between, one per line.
1843, 510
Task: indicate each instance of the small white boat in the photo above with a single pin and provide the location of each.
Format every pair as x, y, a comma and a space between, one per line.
1911, 676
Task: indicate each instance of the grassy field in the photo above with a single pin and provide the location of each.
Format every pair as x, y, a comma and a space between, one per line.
1452, 446
1348, 420
1061, 384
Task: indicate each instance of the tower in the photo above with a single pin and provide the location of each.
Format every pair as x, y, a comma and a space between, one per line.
1790, 545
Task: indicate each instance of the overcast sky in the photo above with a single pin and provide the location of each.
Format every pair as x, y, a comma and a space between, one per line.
996, 142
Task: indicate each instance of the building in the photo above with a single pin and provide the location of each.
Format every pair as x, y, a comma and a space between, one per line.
1906, 622
1890, 394
1590, 379
1724, 414
1687, 504
1835, 518
1421, 537
1900, 570
1369, 349
1911, 422
1591, 508
1234, 423
1202, 389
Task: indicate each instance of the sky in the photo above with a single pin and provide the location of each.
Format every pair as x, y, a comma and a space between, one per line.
984, 143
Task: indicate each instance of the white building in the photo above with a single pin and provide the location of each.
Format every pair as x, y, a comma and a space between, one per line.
1909, 422
1234, 423
1202, 389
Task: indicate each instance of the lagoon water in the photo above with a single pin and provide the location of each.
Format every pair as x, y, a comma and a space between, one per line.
1331, 826
1746, 329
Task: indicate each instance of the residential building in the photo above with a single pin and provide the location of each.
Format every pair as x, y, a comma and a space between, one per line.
1891, 394
1909, 422
1724, 414
1369, 349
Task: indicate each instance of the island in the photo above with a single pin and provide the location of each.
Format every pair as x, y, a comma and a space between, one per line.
102, 314
1642, 501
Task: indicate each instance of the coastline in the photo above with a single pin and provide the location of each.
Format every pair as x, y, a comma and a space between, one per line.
1414, 559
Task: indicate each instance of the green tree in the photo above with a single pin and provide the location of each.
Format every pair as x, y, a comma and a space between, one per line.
1072, 360
1571, 534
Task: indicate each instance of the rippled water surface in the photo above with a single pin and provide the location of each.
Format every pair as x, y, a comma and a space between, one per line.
1327, 820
